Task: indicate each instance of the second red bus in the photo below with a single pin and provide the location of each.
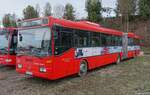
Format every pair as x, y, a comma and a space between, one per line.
8, 46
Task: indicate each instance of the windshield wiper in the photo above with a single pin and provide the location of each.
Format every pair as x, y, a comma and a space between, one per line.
39, 52
31, 50
36, 52
22, 51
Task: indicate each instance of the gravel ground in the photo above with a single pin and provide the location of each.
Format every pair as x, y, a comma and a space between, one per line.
132, 77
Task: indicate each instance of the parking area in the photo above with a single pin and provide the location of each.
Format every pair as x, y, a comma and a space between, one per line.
132, 77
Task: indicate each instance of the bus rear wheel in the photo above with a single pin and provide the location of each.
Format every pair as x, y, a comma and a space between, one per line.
83, 69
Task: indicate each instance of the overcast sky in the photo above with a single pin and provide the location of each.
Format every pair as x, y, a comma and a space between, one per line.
16, 6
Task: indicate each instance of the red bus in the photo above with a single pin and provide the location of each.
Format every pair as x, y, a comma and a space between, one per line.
8, 45
53, 48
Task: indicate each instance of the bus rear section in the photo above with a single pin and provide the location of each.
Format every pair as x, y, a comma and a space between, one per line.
8, 45
133, 45
53, 48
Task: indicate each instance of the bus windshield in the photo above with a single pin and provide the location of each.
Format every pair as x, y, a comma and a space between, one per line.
4, 41
36, 42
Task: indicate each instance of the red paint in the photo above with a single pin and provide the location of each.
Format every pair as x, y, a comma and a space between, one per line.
66, 64
132, 35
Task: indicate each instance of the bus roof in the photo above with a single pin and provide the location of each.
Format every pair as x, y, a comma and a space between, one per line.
85, 25
81, 25
132, 35
9, 28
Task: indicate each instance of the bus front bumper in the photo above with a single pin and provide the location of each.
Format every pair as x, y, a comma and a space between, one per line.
7, 60
38, 71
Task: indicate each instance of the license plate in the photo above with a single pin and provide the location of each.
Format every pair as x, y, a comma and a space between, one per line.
29, 73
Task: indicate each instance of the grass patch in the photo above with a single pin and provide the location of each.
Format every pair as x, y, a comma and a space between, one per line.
146, 49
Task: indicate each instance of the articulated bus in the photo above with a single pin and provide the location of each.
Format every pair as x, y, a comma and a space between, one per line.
8, 45
54, 48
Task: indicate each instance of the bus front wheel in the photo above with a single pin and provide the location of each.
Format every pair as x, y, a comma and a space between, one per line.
83, 69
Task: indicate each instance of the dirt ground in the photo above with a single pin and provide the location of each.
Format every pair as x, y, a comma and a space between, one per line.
132, 77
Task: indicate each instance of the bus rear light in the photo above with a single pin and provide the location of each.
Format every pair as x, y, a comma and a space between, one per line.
20, 66
8, 60
42, 69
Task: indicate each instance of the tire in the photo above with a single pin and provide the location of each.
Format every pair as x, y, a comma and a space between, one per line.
83, 69
118, 60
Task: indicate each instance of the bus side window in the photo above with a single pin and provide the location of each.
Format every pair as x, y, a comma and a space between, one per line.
136, 41
81, 38
95, 39
109, 40
63, 38
117, 39
113, 40
66, 39
130, 42
120, 41
104, 40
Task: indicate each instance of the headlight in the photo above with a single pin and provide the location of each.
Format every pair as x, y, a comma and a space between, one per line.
42, 69
8, 60
19, 66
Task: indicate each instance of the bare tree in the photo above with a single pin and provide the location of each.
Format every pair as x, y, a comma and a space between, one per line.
126, 9
47, 9
58, 11
128, 6
107, 10
37, 8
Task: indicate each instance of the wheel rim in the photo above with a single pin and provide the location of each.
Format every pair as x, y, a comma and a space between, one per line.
83, 69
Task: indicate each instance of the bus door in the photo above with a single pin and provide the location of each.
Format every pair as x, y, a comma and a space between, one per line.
63, 38
125, 46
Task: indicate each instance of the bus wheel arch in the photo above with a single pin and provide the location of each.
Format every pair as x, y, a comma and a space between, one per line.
86, 63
